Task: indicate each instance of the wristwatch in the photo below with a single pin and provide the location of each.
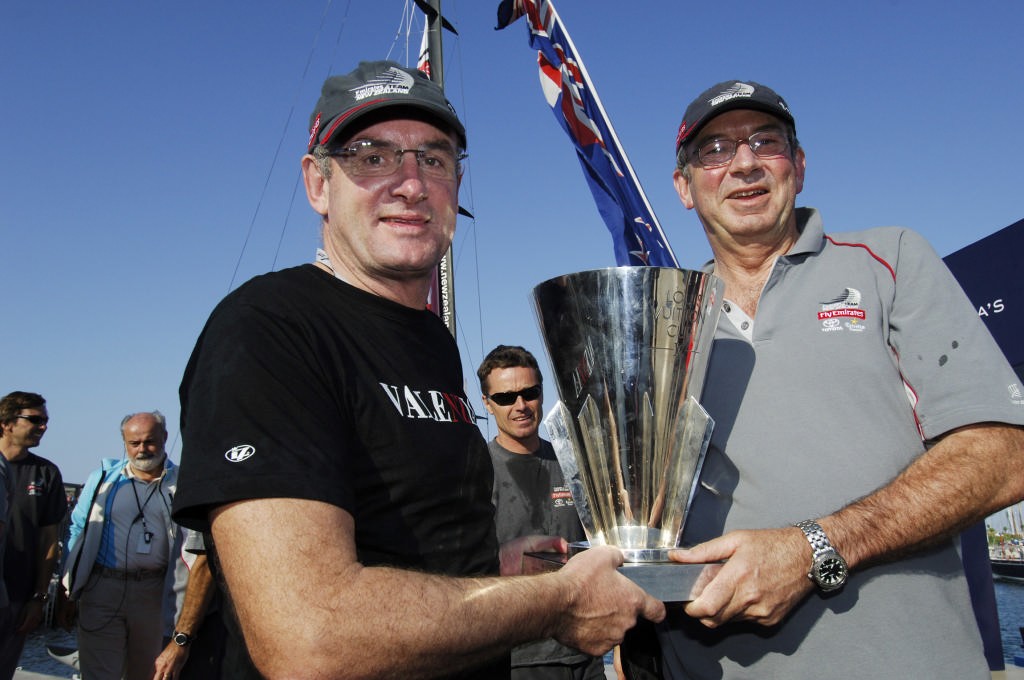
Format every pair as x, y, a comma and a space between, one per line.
828, 568
182, 639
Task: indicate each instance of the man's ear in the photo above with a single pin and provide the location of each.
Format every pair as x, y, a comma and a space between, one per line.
487, 404
316, 185
800, 163
682, 188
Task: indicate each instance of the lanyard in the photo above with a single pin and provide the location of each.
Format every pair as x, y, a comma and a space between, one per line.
147, 536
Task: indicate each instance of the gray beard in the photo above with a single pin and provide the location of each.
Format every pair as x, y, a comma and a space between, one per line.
149, 465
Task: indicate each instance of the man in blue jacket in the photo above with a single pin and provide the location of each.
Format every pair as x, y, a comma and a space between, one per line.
122, 554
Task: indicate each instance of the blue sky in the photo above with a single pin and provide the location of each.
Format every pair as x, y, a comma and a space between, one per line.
149, 158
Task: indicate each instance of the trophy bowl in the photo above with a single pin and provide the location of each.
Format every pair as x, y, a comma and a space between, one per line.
629, 349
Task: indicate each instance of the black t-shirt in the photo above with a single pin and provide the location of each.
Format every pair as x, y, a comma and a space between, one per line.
37, 500
302, 386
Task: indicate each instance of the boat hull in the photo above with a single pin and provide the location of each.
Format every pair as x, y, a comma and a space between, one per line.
1008, 569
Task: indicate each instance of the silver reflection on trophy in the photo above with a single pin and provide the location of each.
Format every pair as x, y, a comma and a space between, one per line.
629, 348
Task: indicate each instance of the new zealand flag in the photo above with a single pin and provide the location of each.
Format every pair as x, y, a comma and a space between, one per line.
636, 233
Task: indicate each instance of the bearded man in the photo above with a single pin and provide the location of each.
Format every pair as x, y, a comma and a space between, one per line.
122, 555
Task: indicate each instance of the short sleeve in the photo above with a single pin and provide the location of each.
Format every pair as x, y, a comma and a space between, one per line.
955, 373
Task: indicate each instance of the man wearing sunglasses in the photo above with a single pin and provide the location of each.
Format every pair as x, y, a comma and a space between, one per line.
530, 496
863, 417
329, 447
37, 507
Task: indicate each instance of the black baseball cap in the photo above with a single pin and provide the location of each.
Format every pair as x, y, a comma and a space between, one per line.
372, 86
726, 96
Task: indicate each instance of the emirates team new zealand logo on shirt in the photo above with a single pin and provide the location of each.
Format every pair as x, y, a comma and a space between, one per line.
561, 497
842, 313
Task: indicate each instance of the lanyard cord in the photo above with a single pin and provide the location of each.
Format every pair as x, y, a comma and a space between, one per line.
142, 506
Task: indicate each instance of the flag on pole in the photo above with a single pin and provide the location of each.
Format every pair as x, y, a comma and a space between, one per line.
636, 234
423, 61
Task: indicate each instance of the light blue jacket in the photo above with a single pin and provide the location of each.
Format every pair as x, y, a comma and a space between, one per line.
87, 525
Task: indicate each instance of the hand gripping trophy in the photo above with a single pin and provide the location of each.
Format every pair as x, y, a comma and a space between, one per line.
629, 347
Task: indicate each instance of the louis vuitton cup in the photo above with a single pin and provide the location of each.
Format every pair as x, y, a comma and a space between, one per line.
629, 348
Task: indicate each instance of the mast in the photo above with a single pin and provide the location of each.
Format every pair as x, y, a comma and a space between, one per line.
443, 291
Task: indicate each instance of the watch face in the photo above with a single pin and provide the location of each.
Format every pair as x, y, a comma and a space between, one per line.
181, 639
830, 573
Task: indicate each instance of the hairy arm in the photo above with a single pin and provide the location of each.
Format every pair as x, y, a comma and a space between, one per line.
962, 479
304, 601
969, 474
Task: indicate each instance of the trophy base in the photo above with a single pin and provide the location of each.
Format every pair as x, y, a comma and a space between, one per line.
663, 580
666, 581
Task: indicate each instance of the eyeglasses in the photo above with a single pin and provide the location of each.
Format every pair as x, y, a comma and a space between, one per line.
371, 158
509, 398
35, 420
766, 144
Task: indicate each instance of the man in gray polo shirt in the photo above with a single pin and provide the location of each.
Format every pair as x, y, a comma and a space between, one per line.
863, 416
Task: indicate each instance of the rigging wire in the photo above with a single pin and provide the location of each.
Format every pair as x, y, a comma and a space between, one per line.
405, 27
281, 140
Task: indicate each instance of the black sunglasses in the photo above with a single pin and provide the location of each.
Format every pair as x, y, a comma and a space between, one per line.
509, 398
35, 420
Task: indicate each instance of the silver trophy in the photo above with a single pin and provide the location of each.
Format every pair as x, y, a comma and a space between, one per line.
629, 348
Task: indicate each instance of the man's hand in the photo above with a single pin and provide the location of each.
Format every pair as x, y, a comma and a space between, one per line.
170, 662
763, 578
605, 604
512, 551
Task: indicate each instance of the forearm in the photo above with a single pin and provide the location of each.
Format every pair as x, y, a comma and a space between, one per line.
967, 476
198, 594
439, 623
307, 602
338, 627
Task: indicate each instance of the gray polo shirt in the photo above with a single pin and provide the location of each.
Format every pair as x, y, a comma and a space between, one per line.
862, 347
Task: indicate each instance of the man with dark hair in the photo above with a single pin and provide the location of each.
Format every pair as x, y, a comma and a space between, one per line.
530, 496
863, 417
37, 507
330, 450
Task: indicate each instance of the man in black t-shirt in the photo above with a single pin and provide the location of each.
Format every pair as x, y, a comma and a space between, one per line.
37, 506
530, 495
330, 452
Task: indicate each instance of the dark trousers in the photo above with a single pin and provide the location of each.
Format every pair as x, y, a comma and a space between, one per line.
11, 643
586, 670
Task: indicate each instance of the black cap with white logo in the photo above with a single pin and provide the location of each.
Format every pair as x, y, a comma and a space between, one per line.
726, 96
374, 85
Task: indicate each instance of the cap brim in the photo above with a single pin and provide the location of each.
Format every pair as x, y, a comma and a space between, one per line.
345, 121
